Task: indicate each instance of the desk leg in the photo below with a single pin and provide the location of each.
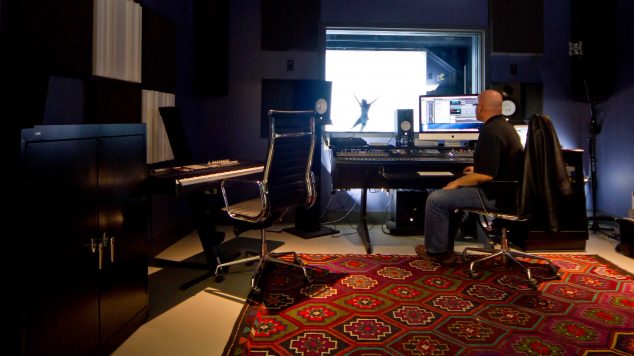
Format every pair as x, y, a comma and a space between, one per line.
362, 229
203, 209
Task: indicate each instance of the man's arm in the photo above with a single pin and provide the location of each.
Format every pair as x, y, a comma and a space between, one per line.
468, 179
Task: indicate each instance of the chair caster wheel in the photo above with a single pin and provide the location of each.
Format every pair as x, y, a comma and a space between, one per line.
256, 292
473, 274
533, 283
219, 278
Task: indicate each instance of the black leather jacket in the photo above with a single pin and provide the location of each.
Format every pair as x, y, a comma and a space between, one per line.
546, 187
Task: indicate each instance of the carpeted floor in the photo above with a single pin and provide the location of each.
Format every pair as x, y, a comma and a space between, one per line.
401, 305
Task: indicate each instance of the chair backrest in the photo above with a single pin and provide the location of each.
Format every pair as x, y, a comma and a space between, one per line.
287, 174
545, 184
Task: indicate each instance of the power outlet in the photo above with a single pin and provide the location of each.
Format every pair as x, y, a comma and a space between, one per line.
290, 65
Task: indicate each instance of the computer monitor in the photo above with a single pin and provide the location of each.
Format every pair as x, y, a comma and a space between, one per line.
522, 131
448, 118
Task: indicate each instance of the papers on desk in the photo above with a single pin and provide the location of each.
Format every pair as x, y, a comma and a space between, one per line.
435, 174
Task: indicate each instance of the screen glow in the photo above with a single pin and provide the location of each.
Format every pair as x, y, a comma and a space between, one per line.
387, 80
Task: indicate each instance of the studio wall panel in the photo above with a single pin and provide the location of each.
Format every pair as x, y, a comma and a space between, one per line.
158, 64
211, 46
58, 36
112, 101
594, 48
290, 25
117, 40
517, 26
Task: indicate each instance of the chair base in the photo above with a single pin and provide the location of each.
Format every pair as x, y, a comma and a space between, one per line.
262, 260
507, 254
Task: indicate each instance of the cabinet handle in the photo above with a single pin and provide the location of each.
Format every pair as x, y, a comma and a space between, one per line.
112, 249
100, 247
93, 244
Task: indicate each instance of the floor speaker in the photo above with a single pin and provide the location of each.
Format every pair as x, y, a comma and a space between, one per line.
301, 94
404, 127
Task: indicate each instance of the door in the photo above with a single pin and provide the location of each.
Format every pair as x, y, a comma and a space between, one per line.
122, 226
60, 219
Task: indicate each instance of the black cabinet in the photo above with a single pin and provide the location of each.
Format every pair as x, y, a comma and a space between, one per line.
572, 218
85, 222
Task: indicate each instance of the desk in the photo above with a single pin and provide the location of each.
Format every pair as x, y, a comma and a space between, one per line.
199, 184
364, 169
405, 171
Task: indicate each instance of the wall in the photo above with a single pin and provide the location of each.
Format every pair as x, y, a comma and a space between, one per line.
615, 162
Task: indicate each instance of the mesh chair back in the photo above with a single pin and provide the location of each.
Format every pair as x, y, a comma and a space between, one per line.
287, 174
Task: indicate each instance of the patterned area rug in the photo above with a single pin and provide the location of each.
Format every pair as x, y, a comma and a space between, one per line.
401, 305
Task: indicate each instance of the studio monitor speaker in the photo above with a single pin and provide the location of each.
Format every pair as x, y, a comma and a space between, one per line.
404, 127
295, 94
526, 96
301, 94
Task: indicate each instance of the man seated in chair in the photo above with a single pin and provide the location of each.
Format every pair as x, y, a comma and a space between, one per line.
497, 156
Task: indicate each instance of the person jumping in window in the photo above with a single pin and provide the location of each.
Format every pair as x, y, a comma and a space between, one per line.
365, 107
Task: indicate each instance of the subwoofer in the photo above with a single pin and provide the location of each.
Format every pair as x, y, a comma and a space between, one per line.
408, 212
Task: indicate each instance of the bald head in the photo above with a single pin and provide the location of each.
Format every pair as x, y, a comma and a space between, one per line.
489, 104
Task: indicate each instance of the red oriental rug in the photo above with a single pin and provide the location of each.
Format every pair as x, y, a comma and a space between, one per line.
401, 305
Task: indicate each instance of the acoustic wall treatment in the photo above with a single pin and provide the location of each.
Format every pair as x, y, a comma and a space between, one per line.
158, 145
117, 39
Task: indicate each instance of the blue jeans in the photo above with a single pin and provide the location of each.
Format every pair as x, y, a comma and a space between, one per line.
440, 219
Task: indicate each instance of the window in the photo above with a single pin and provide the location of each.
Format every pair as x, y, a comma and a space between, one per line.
390, 69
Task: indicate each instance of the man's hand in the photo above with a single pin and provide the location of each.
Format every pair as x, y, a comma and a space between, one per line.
468, 179
467, 170
452, 185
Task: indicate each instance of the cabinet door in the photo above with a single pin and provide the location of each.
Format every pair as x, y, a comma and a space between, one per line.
123, 224
60, 218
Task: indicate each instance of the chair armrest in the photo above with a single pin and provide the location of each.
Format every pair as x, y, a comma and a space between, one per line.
240, 193
504, 192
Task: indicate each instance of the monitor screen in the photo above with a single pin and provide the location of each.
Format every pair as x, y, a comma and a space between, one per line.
522, 131
448, 117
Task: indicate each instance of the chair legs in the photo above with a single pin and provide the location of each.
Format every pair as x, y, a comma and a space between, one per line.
262, 259
507, 254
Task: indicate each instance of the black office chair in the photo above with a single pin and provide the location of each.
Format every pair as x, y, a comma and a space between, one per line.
543, 184
287, 183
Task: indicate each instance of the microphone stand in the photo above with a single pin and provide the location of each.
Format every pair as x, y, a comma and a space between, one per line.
595, 129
